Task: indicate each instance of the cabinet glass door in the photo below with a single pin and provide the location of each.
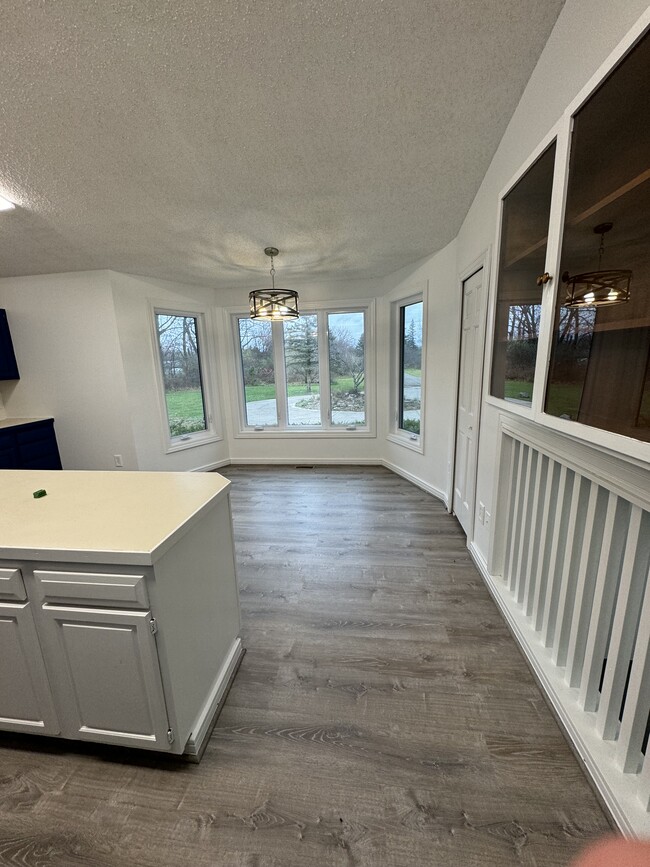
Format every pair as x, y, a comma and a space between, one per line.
600, 370
522, 258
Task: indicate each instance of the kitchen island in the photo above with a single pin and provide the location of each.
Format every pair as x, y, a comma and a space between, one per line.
119, 610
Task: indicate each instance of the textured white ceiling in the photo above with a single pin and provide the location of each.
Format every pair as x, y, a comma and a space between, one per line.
177, 139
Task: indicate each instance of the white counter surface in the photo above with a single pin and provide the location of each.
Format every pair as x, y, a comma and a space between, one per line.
102, 517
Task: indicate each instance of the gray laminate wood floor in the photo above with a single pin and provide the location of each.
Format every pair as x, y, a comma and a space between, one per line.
382, 715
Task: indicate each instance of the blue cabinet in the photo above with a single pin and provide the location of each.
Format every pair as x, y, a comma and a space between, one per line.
8, 366
29, 446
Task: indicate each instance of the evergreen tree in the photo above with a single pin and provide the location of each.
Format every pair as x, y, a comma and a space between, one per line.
301, 349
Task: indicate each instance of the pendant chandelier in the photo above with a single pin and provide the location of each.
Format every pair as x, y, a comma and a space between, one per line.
273, 304
598, 288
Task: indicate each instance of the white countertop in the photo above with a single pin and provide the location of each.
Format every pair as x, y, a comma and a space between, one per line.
101, 517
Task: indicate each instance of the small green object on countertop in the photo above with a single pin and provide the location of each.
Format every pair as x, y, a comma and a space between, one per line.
40, 493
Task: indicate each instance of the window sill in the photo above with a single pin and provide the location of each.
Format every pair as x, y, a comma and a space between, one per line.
408, 441
514, 406
307, 433
179, 444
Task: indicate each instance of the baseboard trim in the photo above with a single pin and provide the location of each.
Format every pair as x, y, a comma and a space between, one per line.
317, 462
592, 753
207, 468
203, 726
416, 480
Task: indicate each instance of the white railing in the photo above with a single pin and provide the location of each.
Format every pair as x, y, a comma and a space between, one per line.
569, 567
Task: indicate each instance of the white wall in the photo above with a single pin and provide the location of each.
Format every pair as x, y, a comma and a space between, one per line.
132, 298
430, 469
585, 33
66, 343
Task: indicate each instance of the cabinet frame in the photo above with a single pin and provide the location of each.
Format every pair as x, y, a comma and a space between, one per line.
561, 131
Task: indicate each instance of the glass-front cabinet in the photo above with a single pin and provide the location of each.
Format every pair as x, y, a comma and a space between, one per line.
589, 319
522, 255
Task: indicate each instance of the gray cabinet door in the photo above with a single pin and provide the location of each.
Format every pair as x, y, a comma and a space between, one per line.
106, 677
25, 698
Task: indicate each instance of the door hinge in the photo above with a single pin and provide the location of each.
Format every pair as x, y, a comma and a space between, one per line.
153, 625
170, 736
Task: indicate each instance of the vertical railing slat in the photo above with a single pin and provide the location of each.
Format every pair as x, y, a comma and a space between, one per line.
584, 593
521, 577
515, 481
532, 563
598, 634
499, 543
643, 786
626, 612
567, 581
637, 703
541, 574
557, 551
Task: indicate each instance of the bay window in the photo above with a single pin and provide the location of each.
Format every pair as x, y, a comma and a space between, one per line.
305, 375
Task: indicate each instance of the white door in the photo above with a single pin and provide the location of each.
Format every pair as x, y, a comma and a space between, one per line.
106, 676
25, 698
469, 396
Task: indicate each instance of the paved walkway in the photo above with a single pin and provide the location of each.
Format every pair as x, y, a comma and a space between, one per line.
263, 413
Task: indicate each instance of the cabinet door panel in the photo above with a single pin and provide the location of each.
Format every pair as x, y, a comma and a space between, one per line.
12, 588
105, 665
25, 698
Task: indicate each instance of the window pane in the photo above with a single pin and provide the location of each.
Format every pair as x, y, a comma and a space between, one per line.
522, 257
301, 362
256, 348
598, 374
410, 367
181, 368
347, 368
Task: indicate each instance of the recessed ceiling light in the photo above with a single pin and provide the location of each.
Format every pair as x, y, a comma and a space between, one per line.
5, 204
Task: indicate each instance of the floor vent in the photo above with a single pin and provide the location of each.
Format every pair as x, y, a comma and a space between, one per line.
304, 466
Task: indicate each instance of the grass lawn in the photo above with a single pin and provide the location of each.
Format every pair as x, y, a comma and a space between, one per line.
516, 387
185, 411
267, 392
345, 384
563, 397
185, 403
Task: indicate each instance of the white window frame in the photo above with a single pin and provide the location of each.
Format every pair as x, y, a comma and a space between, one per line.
411, 295
207, 366
606, 441
326, 429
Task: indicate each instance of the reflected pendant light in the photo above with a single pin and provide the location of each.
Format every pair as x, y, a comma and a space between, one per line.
273, 304
598, 288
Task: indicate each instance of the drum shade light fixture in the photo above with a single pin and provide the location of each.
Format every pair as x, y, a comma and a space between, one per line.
273, 304
598, 288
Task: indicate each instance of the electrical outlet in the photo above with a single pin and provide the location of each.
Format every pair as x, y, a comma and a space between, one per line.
481, 512
487, 518
118, 460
